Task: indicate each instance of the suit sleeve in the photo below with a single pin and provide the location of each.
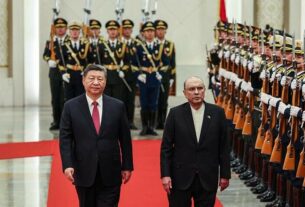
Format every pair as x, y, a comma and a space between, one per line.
47, 52
66, 138
224, 152
125, 142
167, 145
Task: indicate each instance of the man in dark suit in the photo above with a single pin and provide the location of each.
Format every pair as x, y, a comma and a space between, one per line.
95, 142
194, 150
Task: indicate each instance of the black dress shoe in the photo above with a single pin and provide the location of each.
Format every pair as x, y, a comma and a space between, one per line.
262, 194
254, 182
241, 169
269, 197
150, 131
259, 189
235, 163
247, 176
238, 167
143, 131
132, 126
54, 126
278, 202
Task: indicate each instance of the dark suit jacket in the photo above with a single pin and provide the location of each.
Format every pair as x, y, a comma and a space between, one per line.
182, 156
83, 149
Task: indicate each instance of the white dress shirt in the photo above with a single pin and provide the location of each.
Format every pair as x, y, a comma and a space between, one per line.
113, 42
99, 106
75, 42
198, 119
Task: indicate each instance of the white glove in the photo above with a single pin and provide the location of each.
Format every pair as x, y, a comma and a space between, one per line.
66, 77
295, 84
227, 54
265, 98
278, 76
220, 54
233, 77
273, 101
245, 62
52, 64
221, 72
283, 80
294, 110
244, 86
158, 76
213, 80
171, 81
142, 78
250, 66
233, 57
121, 74
283, 107
262, 75
250, 88
237, 59
237, 82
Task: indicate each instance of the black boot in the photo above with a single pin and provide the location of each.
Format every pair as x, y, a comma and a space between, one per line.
151, 123
144, 118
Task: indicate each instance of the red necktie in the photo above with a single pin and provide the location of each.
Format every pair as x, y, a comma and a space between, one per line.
96, 117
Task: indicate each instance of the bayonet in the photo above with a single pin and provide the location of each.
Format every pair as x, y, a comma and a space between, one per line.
284, 49
154, 10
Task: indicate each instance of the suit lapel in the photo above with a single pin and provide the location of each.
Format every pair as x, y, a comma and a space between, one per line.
207, 118
85, 110
190, 122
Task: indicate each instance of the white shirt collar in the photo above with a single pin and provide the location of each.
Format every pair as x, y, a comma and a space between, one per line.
90, 101
113, 41
161, 41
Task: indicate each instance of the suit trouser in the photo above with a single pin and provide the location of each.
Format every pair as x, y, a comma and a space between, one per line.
57, 94
75, 86
98, 195
114, 90
201, 197
163, 102
129, 100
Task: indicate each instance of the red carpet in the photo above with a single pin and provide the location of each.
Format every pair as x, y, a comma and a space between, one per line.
144, 188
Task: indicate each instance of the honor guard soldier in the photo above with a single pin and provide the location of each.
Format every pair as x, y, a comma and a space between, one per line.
53, 55
128, 97
76, 50
112, 53
167, 70
147, 61
96, 42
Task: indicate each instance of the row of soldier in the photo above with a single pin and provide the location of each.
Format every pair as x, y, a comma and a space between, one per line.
147, 61
257, 77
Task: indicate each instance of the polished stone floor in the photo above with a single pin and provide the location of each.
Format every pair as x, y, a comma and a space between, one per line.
24, 182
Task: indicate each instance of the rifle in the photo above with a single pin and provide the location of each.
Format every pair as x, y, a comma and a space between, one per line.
52, 30
85, 28
231, 87
268, 140
265, 89
301, 165
242, 95
119, 10
289, 162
